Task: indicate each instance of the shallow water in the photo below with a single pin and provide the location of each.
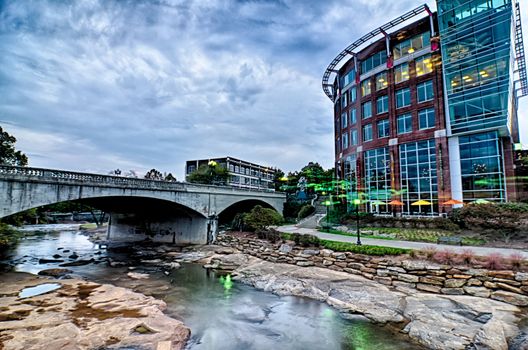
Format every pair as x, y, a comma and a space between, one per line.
38, 290
221, 313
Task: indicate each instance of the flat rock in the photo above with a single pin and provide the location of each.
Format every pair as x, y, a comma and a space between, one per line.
446, 322
138, 276
84, 315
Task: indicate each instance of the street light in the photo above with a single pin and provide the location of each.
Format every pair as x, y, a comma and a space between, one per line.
327, 204
357, 202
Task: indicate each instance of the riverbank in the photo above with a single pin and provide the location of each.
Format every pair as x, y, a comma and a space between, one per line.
82, 315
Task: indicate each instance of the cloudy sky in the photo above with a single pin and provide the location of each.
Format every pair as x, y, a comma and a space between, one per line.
99, 85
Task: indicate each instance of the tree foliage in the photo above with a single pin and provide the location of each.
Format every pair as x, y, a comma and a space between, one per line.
260, 218
8, 154
209, 174
170, 177
154, 174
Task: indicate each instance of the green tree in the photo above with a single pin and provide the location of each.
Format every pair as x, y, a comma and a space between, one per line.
209, 174
154, 174
8, 154
170, 177
260, 218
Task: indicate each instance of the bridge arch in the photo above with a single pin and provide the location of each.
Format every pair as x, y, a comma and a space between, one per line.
227, 215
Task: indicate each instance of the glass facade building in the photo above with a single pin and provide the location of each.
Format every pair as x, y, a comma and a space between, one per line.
436, 101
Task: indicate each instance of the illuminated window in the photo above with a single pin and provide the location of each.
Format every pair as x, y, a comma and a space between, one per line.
424, 65
381, 81
411, 45
365, 87
401, 73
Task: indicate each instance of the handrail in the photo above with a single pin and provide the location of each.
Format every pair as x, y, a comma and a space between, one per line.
349, 50
99, 179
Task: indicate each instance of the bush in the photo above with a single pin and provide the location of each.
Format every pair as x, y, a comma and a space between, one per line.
429, 252
362, 249
260, 218
8, 235
446, 256
494, 261
306, 211
467, 256
516, 260
309, 240
269, 234
292, 209
501, 220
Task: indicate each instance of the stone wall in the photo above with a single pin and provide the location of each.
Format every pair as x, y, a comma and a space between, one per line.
402, 274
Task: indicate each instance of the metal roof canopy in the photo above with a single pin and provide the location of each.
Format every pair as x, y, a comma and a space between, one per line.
350, 49
519, 52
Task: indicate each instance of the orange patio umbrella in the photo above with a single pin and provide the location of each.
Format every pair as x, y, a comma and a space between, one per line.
453, 202
395, 202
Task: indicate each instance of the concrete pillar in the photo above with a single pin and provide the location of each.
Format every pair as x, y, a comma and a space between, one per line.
455, 170
176, 230
212, 228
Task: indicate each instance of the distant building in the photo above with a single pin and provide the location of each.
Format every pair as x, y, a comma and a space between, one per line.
242, 174
425, 107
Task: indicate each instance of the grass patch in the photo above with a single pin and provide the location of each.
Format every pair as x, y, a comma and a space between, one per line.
352, 247
88, 226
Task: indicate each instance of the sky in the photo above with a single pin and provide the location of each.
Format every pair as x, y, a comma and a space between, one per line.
95, 85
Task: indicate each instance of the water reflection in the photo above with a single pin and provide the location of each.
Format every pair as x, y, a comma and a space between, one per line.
221, 313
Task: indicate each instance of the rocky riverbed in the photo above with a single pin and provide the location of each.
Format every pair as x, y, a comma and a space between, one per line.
82, 315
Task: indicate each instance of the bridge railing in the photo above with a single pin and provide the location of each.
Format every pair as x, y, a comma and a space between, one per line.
53, 174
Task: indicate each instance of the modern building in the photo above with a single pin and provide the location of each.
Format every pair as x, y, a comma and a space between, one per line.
425, 107
242, 174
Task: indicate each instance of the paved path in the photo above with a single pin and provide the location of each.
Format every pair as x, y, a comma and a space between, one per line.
399, 244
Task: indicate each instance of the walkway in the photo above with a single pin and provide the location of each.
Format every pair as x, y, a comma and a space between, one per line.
400, 244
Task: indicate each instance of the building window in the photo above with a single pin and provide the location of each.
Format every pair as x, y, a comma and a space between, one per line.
366, 109
404, 122
367, 133
338, 145
481, 167
345, 140
353, 116
231, 168
348, 78
353, 94
401, 73
403, 98
425, 91
424, 65
237, 169
381, 81
418, 177
411, 45
344, 120
378, 178
382, 104
344, 100
365, 87
191, 168
373, 61
383, 128
426, 118
353, 137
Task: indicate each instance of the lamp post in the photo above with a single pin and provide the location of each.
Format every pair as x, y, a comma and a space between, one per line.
357, 202
327, 204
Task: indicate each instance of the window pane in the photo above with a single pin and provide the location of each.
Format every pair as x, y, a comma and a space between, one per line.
381, 81
367, 110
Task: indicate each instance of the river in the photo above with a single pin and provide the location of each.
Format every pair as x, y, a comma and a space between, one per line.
221, 313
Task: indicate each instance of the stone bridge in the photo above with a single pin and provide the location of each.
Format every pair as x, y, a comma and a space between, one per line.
177, 212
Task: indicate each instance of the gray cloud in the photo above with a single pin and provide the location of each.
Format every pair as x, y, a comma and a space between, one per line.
96, 85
